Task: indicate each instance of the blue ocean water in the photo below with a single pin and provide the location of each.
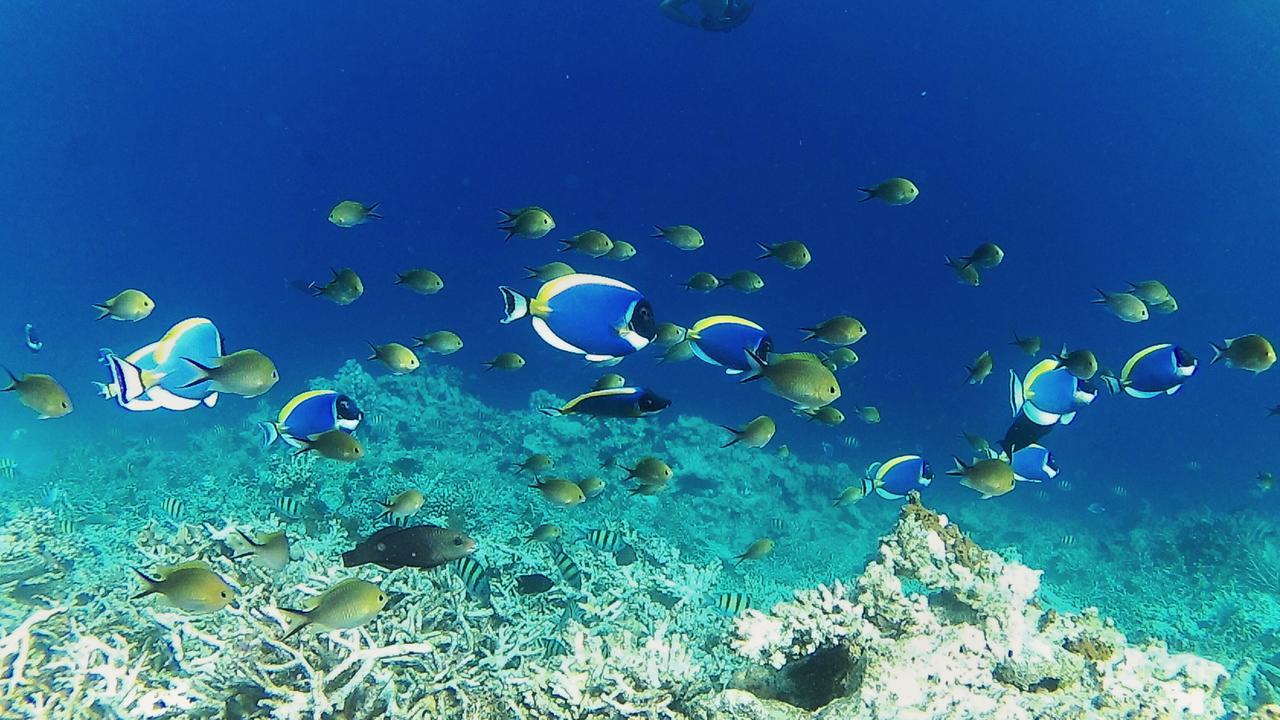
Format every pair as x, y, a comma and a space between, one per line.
195, 151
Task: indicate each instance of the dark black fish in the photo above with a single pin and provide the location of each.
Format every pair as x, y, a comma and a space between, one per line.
420, 546
625, 556
534, 584
1022, 433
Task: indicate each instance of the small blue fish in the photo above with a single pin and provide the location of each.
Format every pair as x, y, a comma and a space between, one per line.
1049, 394
1034, 463
589, 315
33, 341
725, 340
899, 476
627, 402
311, 414
1154, 371
156, 375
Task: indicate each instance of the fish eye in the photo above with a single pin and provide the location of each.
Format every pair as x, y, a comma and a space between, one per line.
457, 541
832, 390
223, 594
381, 597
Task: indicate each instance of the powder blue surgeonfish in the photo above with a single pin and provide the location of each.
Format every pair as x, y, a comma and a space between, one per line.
1034, 463
311, 414
899, 476
1049, 394
623, 402
154, 376
725, 340
599, 317
1157, 370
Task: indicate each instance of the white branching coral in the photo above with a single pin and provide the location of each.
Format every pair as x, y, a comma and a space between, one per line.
974, 645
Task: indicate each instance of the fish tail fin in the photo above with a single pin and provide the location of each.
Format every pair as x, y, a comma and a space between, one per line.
204, 370
270, 433
1102, 297
1110, 381
565, 246
960, 467
515, 304
103, 310
1016, 395
371, 211
870, 194
551, 412
13, 380
737, 435
659, 231
768, 251
755, 367
302, 618
531, 273
104, 389
128, 379
810, 333
149, 584
1218, 352
399, 279
306, 446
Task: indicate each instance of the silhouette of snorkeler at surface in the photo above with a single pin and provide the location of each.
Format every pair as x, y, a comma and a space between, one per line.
717, 15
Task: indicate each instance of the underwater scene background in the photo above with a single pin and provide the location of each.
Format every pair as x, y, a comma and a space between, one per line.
196, 153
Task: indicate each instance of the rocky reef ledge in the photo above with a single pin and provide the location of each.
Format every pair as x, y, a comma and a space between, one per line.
938, 627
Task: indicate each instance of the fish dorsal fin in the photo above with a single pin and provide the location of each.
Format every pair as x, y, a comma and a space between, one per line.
167, 570
383, 534
1137, 357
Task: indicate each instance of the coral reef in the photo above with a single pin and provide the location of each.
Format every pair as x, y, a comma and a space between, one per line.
969, 642
933, 624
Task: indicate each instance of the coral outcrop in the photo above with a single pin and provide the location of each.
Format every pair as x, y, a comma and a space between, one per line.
937, 627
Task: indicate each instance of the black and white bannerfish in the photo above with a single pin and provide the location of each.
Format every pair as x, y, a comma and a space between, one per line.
311, 414
599, 317
156, 375
1154, 371
625, 402
34, 343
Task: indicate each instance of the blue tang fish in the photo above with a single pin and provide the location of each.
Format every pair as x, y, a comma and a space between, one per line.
725, 340
1157, 370
154, 376
599, 317
311, 414
625, 402
1050, 394
899, 476
1034, 463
